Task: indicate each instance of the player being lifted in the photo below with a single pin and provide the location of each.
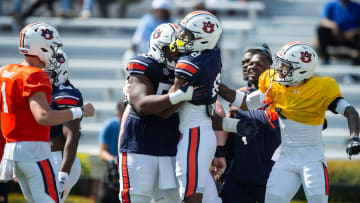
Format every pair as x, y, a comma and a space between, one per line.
26, 116
300, 100
64, 138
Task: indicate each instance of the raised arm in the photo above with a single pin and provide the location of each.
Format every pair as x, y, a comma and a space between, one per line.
45, 116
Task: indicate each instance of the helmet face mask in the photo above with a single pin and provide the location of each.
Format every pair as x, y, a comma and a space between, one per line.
41, 40
294, 63
59, 69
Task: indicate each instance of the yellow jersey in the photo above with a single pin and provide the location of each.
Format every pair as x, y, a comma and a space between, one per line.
305, 103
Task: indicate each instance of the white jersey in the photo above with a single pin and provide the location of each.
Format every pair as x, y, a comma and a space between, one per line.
193, 115
297, 134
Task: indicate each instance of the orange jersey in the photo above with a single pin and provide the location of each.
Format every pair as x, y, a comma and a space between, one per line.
2, 145
18, 83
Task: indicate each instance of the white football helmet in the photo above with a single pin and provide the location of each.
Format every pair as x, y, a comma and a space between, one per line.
41, 40
160, 41
199, 30
295, 62
59, 69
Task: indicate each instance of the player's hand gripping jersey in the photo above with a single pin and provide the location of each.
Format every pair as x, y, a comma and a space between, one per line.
305, 103
203, 70
64, 96
18, 83
151, 134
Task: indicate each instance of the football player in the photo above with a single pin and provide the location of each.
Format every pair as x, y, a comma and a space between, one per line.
149, 130
64, 138
300, 100
25, 114
200, 66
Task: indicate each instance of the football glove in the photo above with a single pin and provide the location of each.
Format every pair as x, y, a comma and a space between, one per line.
353, 147
63, 184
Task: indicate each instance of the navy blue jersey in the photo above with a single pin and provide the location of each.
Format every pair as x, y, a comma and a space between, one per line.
64, 96
203, 70
151, 134
256, 155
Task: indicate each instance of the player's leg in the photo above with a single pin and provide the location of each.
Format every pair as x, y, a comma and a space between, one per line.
138, 176
74, 175
38, 178
167, 187
211, 194
195, 152
25, 188
316, 182
283, 183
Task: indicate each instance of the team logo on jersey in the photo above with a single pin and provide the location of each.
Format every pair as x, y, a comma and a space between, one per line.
157, 33
60, 58
47, 34
208, 27
306, 57
166, 71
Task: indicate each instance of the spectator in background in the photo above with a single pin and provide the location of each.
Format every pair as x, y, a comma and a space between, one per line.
108, 152
247, 184
122, 7
21, 17
160, 14
66, 8
340, 27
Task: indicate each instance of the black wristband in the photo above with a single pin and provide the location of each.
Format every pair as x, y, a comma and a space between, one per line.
220, 151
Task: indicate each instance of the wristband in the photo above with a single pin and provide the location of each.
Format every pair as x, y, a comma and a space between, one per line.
230, 124
239, 97
77, 112
220, 151
177, 97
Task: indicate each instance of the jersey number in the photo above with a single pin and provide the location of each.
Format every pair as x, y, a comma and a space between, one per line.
5, 107
215, 89
163, 88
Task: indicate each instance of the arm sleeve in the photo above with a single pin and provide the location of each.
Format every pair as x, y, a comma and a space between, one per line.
36, 82
136, 66
186, 69
68, 99
256, 115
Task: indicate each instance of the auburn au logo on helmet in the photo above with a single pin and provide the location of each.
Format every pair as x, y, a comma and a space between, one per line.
306, 57
47, 34
157, 33
208, 27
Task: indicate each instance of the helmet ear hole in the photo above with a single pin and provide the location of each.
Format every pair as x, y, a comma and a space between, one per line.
303, 72
44, 50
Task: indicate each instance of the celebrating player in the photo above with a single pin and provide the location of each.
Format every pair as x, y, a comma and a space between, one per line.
199, 66
150, 133
26, 116
301, 100
64, 138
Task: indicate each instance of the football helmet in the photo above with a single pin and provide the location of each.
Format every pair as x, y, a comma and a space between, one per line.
160, 41
199, 30
295, 62
41, 40
59, 69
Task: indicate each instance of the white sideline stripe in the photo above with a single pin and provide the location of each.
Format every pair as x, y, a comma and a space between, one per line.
77, 42
76, 63
131, 23
338, 70
94, 83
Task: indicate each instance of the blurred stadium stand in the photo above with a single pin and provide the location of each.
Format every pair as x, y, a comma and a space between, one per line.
95, 47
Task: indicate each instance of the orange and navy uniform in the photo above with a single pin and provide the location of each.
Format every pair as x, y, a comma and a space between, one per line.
18, 83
